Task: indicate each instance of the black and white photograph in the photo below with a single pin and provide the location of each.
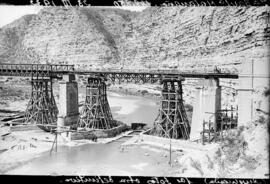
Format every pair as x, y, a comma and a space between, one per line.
165, 91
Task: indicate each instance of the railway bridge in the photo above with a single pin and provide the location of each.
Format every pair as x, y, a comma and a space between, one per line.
96, 114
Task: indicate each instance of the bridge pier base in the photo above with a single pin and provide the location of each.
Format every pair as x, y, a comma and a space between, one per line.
206, 106
172, 121
96, 112
68, 101
41, 108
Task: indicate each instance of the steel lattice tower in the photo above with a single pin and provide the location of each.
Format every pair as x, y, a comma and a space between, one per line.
41, 108
96, 112
172, 121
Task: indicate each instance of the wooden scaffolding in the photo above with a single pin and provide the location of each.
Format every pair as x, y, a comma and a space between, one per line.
41, 108
172, 121
96, 112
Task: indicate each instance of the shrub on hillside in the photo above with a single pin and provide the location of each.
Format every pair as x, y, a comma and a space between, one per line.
144, 92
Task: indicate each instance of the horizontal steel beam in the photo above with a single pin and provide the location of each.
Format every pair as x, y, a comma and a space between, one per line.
35, 70
145, 76
157, 73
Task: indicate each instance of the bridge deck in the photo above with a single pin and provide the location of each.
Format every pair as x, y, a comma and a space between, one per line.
155, 73
41, 70
45, 70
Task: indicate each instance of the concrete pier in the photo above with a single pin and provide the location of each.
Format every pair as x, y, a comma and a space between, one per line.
253, 81
206, 106
68, 101
245, 94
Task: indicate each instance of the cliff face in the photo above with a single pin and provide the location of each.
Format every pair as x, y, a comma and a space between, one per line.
60, 35
11, 37
202, 36
194, 38
185, 38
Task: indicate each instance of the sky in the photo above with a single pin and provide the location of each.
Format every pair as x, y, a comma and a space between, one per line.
10, 13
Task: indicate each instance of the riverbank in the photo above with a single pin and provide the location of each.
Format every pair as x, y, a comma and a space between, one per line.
122, 100
152, 91
21, 147
242, 154
234, 157
129, 103
189, 159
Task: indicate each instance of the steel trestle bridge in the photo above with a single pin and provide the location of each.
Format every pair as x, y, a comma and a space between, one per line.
172, 121
144, 76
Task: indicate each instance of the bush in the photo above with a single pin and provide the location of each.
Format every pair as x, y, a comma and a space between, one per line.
144, 92
248, 162
234, 145
232, 150
189, 107
267, 92
197, 165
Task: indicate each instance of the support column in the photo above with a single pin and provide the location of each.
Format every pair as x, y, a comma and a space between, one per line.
96, 112
172, 120
245, 94
206, 106
68, 101
253, 101
197, 114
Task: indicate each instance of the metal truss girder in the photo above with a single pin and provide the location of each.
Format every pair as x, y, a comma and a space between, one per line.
35, 70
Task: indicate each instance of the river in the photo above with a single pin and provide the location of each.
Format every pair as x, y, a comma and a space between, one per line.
108, 159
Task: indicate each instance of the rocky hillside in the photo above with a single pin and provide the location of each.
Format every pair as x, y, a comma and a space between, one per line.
60, 35
185, 38
11, 37
204, 36
180, 37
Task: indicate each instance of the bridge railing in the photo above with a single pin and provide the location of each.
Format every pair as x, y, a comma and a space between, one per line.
24, 67
37, 67
68, 68
112, 70
148, 71
58, 70
27, 70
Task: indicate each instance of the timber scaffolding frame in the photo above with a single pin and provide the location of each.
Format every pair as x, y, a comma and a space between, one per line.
41, 108
172, 121
172, 118
96, 112
227, 119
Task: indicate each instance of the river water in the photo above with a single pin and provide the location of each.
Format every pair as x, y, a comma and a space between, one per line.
108, 159
129, 108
